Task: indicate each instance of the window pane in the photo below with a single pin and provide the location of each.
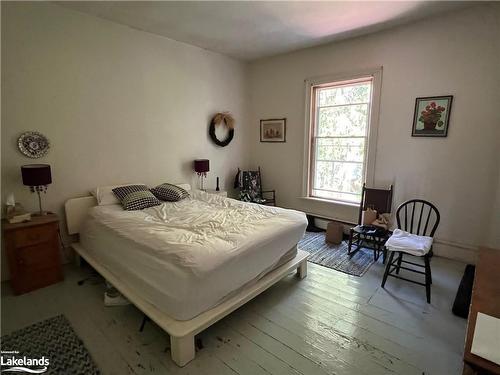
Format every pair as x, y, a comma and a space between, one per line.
340, 131
357, 93
341, 149
354, 198
342, 121
338, 176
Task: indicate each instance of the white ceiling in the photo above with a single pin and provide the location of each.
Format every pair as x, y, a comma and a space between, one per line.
250, 30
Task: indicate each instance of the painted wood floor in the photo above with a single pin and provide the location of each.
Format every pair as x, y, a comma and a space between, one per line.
328, 323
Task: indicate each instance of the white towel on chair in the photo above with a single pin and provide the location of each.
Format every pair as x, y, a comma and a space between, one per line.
409, 243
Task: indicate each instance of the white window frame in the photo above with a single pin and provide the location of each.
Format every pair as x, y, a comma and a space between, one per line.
371, 150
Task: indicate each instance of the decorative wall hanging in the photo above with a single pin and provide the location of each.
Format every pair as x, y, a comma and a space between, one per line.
432, 116
33, 144
222, 118
273, 130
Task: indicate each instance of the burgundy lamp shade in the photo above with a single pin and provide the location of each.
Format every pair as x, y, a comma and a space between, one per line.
201, 165
36, 174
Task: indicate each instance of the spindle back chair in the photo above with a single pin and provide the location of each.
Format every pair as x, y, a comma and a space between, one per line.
414, 211
427, 210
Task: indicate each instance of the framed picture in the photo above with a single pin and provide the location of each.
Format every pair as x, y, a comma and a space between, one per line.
432, 116
273, 130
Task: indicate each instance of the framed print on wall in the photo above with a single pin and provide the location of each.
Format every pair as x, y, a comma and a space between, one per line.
432, 116
273, 130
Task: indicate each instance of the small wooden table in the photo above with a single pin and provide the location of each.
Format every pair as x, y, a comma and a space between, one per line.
485, 299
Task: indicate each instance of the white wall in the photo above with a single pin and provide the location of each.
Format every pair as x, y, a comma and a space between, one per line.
456, 54
118, 105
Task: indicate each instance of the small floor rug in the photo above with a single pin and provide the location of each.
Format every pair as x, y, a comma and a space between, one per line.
53, 339
335, 256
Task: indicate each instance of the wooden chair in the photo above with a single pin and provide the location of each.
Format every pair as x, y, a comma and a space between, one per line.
250, 185
361, 236
414, 212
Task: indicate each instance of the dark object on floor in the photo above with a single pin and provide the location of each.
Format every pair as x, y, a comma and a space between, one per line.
250, 186
199, 344
311, 227
335, 256
412, 215
55, 339
145, 319
94, 278
464, 293
369, 237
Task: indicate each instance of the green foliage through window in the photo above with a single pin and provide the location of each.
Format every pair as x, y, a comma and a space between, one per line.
341, 114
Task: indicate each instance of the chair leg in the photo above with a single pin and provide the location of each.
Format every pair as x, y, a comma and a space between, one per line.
387, 268
384, 254
400, 258
430, 272
428, 281
350, 242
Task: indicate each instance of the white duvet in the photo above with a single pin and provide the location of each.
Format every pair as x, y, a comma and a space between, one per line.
186, 257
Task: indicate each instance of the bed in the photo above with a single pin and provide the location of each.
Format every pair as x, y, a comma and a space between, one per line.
188, 264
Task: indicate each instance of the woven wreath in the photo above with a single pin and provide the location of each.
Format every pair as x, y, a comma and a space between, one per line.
222, 118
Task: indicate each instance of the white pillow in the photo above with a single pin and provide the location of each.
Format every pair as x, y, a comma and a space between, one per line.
105, 196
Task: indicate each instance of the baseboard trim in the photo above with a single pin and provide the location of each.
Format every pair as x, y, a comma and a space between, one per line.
454, 250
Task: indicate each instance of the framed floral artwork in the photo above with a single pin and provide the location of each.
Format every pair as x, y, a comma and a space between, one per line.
432, 116
273, 130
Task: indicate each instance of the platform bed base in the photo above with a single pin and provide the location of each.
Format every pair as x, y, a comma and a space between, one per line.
182, 332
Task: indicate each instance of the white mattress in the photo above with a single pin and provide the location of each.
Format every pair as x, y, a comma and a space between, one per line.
186, 257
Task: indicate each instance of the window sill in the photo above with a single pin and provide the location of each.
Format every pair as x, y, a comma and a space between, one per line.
330, 201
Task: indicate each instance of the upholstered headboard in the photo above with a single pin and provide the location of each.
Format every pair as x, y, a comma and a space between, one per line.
76, 210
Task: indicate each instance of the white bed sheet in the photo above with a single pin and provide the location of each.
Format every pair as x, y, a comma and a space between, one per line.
186, 257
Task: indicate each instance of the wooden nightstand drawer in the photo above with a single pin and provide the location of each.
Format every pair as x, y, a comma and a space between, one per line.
37, 256
28, 280
33, 236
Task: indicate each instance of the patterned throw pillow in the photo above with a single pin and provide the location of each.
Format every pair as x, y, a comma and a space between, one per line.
139, 200
122, 191
169, 192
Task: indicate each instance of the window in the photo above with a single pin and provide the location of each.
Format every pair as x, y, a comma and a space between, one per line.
341, 134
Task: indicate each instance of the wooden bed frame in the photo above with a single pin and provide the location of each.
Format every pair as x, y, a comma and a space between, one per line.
182, 332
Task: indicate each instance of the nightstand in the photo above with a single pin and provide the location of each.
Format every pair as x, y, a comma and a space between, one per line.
222, 193
32, 250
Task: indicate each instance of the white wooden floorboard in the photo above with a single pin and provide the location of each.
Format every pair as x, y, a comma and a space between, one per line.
327, 323
339, 340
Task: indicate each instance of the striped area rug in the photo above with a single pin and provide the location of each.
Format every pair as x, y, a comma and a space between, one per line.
335, 256
53, 339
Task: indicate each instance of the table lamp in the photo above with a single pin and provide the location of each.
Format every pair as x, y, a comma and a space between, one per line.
37, 177
201, 167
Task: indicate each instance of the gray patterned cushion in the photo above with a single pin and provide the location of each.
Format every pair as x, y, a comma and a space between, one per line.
169, 192
139, 200
122, 191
